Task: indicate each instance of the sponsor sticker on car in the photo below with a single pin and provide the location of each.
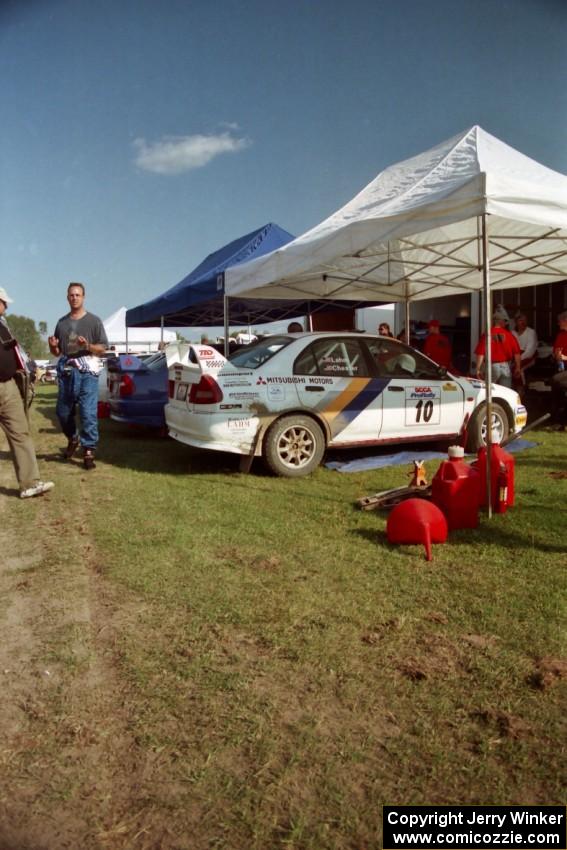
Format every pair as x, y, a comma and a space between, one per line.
423, 405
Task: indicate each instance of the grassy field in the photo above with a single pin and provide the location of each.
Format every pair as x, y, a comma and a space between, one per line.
198, 658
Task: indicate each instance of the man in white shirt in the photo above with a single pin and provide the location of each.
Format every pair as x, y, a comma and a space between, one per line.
527, 339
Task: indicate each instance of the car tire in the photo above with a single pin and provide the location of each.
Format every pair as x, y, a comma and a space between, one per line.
294, 446
477, 427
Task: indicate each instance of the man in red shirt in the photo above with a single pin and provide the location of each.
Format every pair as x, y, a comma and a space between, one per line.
559, 380
437, 346
505, 350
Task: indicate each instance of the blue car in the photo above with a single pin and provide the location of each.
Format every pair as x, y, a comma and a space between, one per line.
138, 389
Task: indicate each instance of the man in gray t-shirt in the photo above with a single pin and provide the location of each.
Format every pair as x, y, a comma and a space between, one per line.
79, 337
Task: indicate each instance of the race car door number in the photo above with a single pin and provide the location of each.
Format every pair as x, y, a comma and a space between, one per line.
423, 405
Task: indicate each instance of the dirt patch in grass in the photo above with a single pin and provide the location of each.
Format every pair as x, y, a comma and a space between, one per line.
547, 673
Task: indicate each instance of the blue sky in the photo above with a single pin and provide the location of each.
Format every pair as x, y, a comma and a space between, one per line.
138, 136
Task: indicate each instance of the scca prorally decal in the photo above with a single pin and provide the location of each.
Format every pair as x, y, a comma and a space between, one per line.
422, 392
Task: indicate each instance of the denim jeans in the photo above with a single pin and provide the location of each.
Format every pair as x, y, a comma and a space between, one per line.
78, 390
502, 374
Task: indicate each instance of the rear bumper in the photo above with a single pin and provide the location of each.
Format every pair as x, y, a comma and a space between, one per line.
214, 431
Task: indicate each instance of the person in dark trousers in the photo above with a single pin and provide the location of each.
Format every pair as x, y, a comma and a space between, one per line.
79, 340
559, 380
13, 419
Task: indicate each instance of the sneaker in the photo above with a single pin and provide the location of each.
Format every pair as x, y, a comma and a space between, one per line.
38, 489
88, 459
72, 446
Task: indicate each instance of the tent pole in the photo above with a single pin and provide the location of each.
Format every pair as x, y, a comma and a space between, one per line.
407, 314
487, 360
161, 326
126, 339
309, 316
226, 326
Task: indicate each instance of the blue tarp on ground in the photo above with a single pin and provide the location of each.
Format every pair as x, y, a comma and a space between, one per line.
363, 464
198, 300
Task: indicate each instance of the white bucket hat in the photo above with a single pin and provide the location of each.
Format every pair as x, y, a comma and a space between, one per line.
4, 296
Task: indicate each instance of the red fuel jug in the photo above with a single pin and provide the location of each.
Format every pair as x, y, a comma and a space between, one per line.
498, 459
456, 490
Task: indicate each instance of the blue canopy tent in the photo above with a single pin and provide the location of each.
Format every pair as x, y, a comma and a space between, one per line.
199, 299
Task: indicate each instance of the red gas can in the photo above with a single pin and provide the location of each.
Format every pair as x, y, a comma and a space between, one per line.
456, 490
498, 459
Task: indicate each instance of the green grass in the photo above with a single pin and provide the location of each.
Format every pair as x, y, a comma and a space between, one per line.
289, 671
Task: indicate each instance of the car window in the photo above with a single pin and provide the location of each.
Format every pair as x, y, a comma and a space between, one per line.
253, 356
155, 362
337, 358
396, 360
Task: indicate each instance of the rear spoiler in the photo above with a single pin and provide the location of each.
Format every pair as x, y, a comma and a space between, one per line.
187, 361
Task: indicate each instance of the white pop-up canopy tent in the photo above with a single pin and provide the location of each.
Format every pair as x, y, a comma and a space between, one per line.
123, 338
468, 215
416, 231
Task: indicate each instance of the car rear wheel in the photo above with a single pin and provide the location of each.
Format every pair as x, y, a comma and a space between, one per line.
294, 446
478, 427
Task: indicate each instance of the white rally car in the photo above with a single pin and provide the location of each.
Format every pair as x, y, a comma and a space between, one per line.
289, 397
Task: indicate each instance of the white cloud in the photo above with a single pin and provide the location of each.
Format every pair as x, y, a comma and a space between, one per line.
175, 154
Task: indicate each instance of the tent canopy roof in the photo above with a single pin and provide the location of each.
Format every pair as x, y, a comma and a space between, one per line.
198, 298
414, 232
115, 327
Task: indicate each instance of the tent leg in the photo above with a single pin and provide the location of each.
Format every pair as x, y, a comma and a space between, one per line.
407, 320
488, 360
226, 326
161, 326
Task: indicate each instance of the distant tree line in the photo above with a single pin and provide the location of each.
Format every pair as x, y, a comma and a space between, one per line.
29, 336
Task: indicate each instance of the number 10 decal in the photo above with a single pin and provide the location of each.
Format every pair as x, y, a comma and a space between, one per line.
423, 406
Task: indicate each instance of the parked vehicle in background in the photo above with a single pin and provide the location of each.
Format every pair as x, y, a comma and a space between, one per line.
137, 389
289, 397
49, 375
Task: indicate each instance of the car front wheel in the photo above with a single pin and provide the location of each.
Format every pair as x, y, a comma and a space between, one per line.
294, 446
478, 427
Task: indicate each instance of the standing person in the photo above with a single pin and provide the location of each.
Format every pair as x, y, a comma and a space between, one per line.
504, 348
559, 380
527, 339
437, 346
385, 330
13, 419
78, 341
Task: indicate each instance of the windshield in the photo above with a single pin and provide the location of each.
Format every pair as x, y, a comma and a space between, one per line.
253, 356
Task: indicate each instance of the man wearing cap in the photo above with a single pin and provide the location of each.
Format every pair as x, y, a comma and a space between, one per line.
505, 350
13, 417
78, 341
437, 346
